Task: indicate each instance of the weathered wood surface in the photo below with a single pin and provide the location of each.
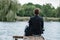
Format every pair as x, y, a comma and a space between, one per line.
28, 38
17, 36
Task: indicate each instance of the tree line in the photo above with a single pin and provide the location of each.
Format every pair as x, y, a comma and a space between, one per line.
46, 10
9, 9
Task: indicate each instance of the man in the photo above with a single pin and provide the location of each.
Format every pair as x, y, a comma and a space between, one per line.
35, 24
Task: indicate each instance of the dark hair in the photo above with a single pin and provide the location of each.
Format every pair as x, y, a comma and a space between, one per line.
36, 11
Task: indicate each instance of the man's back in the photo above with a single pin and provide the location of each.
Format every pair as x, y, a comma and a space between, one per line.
36, 25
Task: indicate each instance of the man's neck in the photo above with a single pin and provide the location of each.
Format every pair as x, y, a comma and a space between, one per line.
36, 15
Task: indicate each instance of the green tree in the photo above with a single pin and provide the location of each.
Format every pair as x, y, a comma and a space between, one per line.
47, 10
26, 10
58, 12
5, 7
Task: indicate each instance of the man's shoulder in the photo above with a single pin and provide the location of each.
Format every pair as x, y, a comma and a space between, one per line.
32, 17
40, 17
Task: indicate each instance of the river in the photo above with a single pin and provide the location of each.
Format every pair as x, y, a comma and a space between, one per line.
9, 29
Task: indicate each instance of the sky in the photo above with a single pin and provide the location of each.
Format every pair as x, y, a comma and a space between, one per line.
54, 3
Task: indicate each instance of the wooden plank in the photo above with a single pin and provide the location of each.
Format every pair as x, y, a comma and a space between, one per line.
17, 36
33, 38
29, 37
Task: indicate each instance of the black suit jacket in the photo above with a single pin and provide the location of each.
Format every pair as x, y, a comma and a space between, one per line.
35, 26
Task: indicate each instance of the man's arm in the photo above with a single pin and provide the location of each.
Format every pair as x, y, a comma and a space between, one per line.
30, 23
42, 24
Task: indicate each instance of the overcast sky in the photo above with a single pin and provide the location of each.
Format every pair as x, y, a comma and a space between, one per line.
54, 3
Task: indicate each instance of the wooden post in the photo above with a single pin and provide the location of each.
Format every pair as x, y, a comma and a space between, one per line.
16, 39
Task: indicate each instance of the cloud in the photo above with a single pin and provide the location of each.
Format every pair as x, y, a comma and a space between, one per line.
55, 3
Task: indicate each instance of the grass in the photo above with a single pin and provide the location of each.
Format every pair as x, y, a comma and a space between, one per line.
18, 18
22, 18
51, 19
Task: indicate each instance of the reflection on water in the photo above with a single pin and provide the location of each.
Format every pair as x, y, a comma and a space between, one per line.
9, 29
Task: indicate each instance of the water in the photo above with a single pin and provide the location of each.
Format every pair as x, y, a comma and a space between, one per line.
9, 29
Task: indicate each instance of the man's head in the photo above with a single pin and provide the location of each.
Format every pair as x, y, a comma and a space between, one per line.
36, 11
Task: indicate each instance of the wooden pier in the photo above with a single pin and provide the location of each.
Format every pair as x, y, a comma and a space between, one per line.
28, 38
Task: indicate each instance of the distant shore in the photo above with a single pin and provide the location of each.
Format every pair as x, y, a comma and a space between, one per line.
45, 18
